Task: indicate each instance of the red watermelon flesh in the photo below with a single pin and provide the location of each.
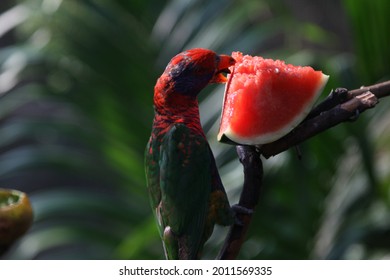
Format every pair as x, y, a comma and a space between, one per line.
265, 99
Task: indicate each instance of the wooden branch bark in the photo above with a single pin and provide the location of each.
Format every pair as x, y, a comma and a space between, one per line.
253, 175
340, 106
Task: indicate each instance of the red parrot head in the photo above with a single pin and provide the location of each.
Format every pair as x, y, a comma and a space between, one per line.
189, 72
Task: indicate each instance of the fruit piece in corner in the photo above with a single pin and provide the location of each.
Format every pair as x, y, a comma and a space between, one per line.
16, 216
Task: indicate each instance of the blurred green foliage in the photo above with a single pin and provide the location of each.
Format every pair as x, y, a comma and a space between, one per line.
76, 86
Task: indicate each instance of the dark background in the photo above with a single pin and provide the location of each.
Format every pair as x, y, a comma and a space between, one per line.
76, 86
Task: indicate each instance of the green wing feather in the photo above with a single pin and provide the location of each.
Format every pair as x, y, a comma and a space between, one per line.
180, 182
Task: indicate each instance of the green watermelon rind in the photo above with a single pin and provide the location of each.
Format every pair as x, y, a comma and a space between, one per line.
228, 136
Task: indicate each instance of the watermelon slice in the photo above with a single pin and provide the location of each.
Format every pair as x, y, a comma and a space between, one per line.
265, 99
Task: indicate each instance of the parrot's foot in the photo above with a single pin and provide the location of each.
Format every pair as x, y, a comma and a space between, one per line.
242, 210
238, 209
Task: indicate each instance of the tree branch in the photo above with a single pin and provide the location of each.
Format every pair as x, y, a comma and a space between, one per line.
253, 175
341, 105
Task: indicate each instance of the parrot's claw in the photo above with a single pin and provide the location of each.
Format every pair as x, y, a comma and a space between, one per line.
238, 209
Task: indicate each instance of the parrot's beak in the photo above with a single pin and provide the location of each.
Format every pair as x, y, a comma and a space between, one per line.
224, 63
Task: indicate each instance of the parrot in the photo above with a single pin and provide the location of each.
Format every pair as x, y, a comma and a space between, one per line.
185, 190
